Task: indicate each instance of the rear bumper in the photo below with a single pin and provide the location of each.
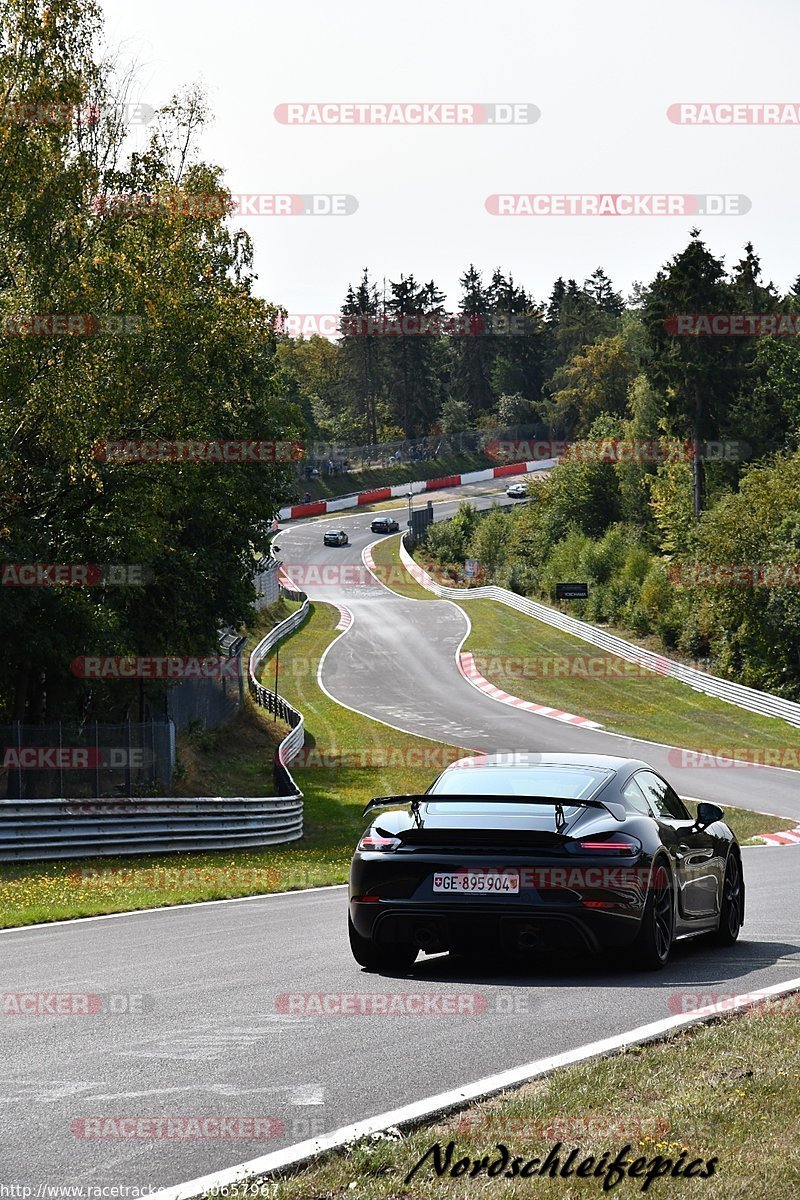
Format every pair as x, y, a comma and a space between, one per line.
449, 926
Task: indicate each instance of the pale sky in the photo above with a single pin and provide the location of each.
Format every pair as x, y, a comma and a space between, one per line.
603, 76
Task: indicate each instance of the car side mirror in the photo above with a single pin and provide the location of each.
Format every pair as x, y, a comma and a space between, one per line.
707, 814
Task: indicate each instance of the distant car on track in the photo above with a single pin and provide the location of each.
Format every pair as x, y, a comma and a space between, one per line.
335, 537
384, 525
542, 851
517, 491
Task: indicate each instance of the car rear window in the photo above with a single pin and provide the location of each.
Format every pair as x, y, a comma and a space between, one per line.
563, 783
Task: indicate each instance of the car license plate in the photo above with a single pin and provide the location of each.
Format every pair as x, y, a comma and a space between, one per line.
477, 883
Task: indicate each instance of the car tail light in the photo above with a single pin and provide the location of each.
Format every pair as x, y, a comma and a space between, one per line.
621, 844
374, 841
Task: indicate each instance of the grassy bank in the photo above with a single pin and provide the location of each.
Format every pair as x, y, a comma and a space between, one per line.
727, 1092
329, 486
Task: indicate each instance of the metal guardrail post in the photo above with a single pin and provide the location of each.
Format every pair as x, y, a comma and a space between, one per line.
96, 762
18, 730
128, 752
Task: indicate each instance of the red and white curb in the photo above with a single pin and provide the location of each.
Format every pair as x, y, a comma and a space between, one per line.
466, 665
787, 837
345, 617
319, 508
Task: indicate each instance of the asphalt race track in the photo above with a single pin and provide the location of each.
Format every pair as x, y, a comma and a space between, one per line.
217, 1029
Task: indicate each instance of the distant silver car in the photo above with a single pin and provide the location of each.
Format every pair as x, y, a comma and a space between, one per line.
335, 537
517, 491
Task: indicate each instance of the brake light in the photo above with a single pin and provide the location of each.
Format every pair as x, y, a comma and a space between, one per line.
621, 843
374, 841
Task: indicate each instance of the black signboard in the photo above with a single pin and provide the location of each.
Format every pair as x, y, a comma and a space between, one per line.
572, 591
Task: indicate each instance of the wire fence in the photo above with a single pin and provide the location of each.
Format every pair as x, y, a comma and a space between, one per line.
205, 703
85, 760
324, 458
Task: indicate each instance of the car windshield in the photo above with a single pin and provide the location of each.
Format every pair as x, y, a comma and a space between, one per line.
561, 782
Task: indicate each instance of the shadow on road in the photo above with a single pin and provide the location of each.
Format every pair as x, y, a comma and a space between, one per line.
695, 963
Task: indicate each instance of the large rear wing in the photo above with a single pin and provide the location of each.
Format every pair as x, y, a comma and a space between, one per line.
616, 810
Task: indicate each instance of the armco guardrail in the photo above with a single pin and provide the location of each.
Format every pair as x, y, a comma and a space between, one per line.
274, 703
32, 830
49, 829
710, 685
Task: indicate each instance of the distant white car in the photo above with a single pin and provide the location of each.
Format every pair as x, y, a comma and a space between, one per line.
517, 491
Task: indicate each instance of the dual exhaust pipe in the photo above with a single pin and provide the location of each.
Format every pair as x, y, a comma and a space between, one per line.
428, 939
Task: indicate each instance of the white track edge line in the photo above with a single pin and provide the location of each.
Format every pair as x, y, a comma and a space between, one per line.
444, 1102
138, 912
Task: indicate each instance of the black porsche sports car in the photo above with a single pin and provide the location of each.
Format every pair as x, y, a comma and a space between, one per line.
335, 537
542, 851
384, 525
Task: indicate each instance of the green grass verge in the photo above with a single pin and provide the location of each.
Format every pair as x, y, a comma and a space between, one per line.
728, 1091
386, 556
237, 760
537, 662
